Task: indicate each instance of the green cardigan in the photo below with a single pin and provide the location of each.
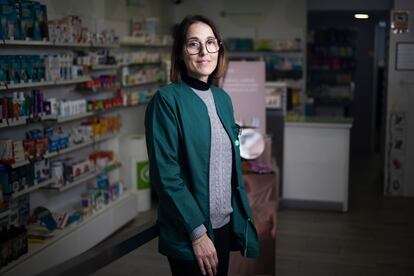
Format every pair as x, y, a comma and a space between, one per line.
177, 128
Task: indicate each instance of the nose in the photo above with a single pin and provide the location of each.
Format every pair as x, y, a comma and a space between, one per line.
203, 50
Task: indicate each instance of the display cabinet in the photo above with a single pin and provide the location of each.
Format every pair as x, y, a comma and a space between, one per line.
331, 70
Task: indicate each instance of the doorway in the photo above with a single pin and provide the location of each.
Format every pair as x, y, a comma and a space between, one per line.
346, 69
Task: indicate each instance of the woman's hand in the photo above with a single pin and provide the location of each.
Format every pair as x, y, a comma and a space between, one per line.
206, 255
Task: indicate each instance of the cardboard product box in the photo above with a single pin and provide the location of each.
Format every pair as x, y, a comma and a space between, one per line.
26, 174
6, 150
41, 170
41, 31
25, 10
81, 167
9, 28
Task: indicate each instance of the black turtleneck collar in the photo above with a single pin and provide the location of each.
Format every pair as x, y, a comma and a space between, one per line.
195, 83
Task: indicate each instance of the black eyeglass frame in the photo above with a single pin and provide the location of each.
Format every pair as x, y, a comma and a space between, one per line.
219, 42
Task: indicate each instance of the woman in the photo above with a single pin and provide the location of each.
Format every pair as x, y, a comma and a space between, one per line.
193, 151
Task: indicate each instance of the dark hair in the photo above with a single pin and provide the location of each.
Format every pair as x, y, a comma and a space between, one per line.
178, 68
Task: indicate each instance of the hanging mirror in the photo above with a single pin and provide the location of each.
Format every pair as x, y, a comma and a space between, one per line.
252, 144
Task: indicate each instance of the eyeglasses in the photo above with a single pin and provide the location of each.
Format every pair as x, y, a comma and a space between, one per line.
193, 46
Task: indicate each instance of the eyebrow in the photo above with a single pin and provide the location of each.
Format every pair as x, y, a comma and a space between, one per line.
196, 38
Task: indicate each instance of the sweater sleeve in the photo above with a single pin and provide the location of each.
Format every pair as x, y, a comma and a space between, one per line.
162, 137
198, 232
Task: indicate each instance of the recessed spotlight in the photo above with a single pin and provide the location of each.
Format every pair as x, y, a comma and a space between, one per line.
361, 16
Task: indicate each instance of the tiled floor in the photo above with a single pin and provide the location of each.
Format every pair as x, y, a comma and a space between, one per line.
376, 236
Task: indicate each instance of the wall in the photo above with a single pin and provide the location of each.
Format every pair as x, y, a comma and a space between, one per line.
401, 99
102, 14
333, 5
263, 19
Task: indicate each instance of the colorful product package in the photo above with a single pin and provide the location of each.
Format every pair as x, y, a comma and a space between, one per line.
41, 170
25, 74
40, 67
25, 9
3, 70
14, 67
41, 31
8, 19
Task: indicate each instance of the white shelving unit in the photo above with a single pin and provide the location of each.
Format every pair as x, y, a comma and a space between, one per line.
48, 155
75, 117
13, 123
54, 44
19, 164
105, 67
75, 239
83, 179
34, 187
80, 237
142, 84
60, 119
30, 85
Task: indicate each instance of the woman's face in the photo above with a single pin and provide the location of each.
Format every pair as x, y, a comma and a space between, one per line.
200, 64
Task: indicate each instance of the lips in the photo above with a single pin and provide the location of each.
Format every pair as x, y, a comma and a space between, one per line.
203, 61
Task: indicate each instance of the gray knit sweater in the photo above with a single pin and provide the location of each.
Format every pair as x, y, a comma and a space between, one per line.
220, 169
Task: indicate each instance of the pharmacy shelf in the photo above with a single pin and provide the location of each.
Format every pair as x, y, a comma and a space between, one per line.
86, 178
255, 54
67, 150
104, 137
65, 119
48, 117
20, 164
71, 45
82, 145
55, 44
73, 232
80, 180
4, 213
113, 45
34, 187
140, 44
105, 67
74, 81
13, 123
60, 119
141, 63
28, 85
26, 43
142, 84
12, 87
98, 90
116, 66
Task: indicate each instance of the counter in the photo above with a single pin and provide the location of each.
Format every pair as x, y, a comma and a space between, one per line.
316, 163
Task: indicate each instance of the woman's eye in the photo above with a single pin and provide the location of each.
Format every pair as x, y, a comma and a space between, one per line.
193, 44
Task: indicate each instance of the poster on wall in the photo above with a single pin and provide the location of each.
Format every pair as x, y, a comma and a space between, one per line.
400, 21
245, 83
404, 56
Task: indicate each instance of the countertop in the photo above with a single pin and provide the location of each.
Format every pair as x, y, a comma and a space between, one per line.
316, 121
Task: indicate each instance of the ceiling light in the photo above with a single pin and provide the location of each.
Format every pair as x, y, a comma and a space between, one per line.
361, 16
